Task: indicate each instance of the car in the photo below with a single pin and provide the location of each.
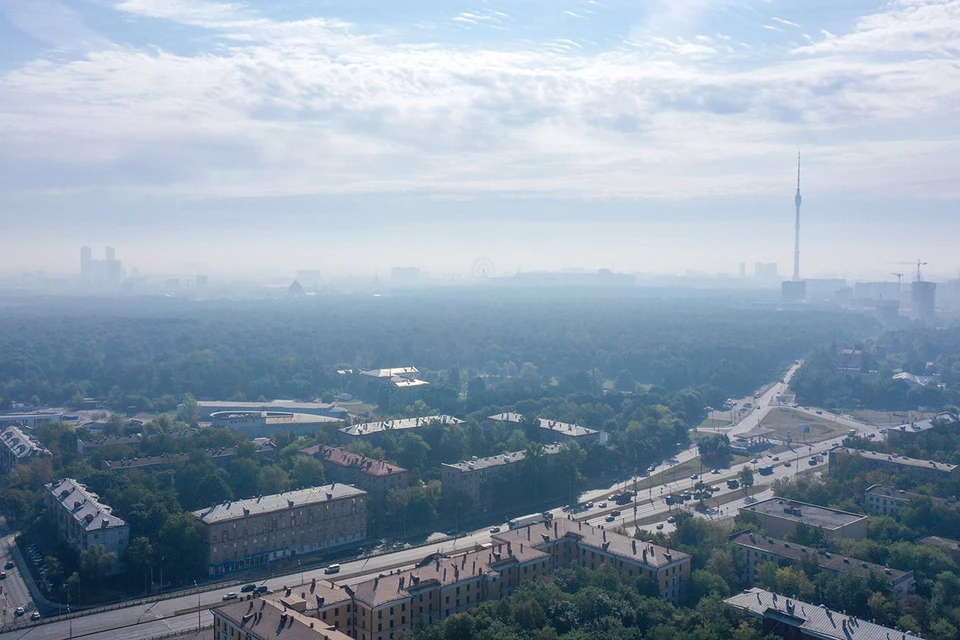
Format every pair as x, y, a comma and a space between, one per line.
263, 589
693, 476
871, 435
611, 518
819, 413
714, 489
754, 461
19, 611
3, 575
603, 505
230, 596
775, 458
715, 472
35, 616
659, 525
449, 532
687, 495
615, 512
788, 464
9, 565
812, 462
334, 568
671, 520
589, 505
247, 588
494, 529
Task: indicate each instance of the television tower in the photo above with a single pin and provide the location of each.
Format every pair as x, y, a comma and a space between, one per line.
796, 240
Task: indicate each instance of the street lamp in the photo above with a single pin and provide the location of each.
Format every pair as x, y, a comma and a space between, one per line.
198, 605
301, 570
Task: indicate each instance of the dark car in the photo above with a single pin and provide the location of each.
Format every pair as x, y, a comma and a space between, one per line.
247, 588
263, 589
9, 565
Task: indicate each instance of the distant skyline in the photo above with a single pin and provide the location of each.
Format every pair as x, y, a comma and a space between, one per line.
353, 136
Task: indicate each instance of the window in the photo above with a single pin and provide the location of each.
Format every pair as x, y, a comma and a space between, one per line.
379, 626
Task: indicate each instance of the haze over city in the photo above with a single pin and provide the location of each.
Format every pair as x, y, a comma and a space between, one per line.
350, 137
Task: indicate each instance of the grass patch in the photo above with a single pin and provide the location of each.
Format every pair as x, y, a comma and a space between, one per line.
887, 418
786, 422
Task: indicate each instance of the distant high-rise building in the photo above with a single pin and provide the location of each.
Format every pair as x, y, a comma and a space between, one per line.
102, 272
743, 270
765, 271
923, 299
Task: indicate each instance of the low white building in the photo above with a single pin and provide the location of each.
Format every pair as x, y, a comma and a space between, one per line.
83, 521
16, 447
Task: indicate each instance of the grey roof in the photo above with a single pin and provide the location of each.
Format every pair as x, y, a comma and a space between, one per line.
893, 458
564, 428
288, 405
276, 502
20, 444
900, 495
499, 460
390, 373
814, 515
404, 423
269, 619
827, 560
84, 506
815, 621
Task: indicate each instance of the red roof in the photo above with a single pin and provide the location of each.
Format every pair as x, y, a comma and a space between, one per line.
344, 458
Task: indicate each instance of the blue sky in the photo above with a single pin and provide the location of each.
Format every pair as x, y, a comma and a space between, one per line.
356, 135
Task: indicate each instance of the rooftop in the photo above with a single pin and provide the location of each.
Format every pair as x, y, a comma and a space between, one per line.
273, 417
397, 425
811, 514
276, 502
900, 494
83, 505
946, 544
477, 464
595, 538
815, 621
344, 458
567, 429
268, 619
894, 458
390, 373
824, 559
289, 405
21, 444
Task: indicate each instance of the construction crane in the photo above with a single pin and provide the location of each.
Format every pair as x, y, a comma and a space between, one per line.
919, 264
899, 284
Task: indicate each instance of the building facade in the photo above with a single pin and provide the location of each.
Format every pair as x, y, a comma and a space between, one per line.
476, 478
82, 521
884, 501
373, 431
371, 475
269, 618
253, 532
552, 431
754, 549
17, 447
257, 424
841, 458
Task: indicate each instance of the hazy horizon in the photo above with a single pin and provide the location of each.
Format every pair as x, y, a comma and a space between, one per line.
263, 138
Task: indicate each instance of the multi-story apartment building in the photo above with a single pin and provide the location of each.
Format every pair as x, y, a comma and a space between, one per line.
373, 431
441, 586
756, 548
269, 618
781, 517
222, 456
797, 620
884, 501
841, 457
83, 521
17, 447
553, 431
476, 478
253, 532
372, 475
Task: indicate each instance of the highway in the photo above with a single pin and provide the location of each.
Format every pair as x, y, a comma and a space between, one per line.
143, 621
15, 592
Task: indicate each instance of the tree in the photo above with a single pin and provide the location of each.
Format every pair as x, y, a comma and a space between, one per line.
306, 472
701, 492
625, 382
534, 467
570, 459
139, 556
746, 479
412, 451
96, 563
272, 479
190, 410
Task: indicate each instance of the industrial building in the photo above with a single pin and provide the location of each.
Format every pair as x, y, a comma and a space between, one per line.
798, 620
31, 419
248, 533
755, 549
553, 431
779, 517
257, 424
372, 475
841, 458
373, 431
82, 521
477, 477
17, 447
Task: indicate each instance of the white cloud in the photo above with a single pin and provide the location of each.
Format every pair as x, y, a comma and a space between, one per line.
318, 106
786, 22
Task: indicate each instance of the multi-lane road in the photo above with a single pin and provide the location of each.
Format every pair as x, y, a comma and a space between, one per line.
180, 614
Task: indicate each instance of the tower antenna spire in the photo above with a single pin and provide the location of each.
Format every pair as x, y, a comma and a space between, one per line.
796, 241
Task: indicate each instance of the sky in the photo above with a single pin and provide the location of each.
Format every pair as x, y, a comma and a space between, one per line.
351, 136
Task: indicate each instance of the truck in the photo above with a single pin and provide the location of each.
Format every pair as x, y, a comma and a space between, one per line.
767, 470
526, 521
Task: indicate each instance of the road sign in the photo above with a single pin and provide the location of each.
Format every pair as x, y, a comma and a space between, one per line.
805, 429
